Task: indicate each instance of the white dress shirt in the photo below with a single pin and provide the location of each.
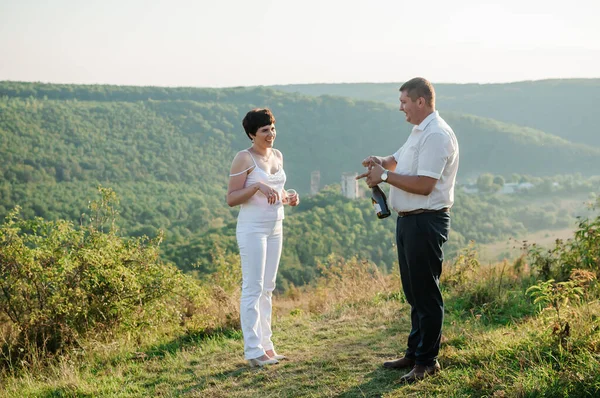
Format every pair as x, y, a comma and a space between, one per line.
431, 150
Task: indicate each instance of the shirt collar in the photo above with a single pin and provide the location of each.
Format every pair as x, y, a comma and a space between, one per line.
423, 125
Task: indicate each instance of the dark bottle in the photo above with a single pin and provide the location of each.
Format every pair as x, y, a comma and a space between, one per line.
380, 202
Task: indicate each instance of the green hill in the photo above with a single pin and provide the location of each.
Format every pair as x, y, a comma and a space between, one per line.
108, 133
167, 153
565, 108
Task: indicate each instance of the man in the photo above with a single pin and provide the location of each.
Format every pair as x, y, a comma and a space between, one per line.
422, 174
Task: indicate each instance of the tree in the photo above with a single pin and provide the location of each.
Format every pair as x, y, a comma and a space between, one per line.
485, 183
499, 181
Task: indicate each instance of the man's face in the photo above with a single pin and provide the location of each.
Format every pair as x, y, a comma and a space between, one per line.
409, 107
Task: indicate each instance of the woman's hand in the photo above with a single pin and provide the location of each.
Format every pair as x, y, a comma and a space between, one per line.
294, 200
271, 194
290, 197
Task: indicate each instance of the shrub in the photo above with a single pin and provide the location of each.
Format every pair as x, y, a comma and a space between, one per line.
58, 282
348, 281
582, 252
221, 309
491, 293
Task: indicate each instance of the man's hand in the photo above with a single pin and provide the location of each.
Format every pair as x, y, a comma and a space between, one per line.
371, 160
373, 175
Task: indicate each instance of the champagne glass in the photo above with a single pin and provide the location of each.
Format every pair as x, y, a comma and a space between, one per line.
290, 194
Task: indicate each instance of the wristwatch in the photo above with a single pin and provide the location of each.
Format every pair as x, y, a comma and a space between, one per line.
384, 176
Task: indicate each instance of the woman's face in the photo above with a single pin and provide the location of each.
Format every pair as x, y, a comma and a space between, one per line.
265, 136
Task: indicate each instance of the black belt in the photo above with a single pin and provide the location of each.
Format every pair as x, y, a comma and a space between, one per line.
420, 211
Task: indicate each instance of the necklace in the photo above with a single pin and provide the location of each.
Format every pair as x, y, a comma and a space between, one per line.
264, 158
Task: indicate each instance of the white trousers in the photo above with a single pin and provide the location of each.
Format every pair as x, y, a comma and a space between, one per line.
260, 246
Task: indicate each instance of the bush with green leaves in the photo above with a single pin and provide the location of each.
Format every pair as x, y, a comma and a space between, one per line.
492, 294
557, 294
59, 282
580, 252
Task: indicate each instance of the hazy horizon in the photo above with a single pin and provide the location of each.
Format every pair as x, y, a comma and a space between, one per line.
265, 42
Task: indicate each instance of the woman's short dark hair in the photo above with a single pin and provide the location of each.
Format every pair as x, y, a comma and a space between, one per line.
256, 119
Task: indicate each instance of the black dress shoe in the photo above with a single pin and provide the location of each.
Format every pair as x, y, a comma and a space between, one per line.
419, 372
399, 363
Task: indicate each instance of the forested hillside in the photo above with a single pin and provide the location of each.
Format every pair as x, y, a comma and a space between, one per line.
181, 135
565, 107
167, 152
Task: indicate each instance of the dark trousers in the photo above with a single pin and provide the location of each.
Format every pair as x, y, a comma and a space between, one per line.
419, 239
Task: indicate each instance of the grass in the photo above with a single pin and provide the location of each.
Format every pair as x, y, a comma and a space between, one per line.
339, 354
337, 334
338, 331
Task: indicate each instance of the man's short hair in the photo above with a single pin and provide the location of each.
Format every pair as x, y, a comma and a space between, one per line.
419, 87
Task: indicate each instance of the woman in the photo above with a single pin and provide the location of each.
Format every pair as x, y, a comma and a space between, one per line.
256, 183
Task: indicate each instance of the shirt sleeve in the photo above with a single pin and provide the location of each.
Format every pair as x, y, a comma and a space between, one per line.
433, 155
396, 154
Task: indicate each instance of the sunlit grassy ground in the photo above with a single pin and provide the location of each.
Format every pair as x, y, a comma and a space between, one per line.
339, 354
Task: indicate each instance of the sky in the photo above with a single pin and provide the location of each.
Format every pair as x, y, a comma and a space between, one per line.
223, 43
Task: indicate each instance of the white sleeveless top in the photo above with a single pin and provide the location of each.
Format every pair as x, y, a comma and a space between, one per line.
257, 208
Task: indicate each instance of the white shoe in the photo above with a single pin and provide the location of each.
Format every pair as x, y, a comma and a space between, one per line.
275, 355
278, 357
257, 362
